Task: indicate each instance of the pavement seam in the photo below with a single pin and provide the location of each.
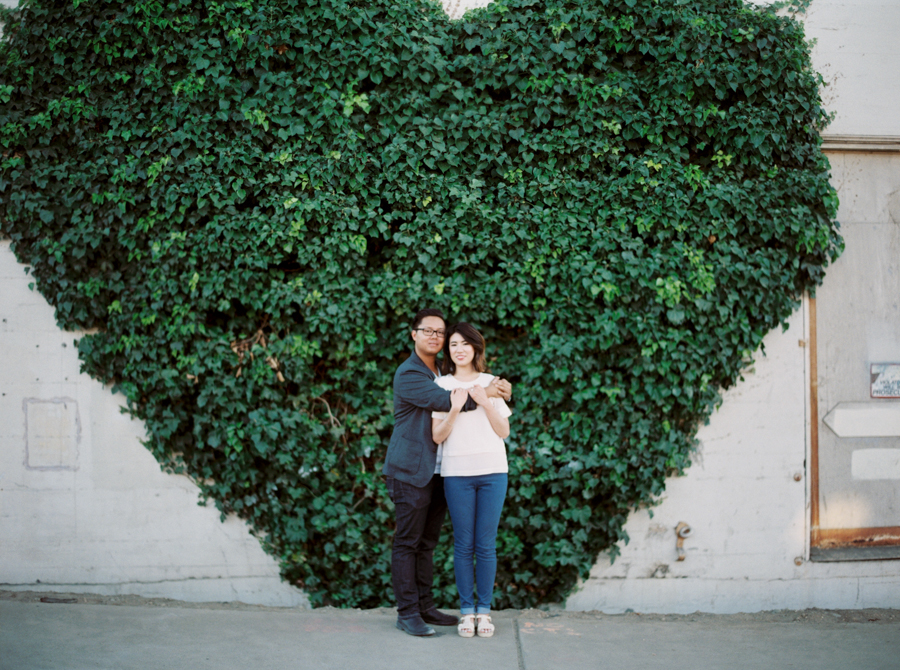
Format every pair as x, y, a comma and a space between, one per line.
519, 644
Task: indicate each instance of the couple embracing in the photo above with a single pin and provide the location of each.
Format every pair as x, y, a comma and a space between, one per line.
446, 451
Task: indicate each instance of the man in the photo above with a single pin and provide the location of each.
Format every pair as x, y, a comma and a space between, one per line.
413, 475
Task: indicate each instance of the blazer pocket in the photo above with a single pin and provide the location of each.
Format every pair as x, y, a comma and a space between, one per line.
406, 457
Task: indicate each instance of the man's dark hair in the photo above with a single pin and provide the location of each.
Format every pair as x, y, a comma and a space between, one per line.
428, 312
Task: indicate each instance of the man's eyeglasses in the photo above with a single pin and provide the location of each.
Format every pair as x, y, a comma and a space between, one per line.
428, 332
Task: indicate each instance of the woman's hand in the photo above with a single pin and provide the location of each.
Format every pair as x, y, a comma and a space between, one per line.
458, 398
479, 395
441, 428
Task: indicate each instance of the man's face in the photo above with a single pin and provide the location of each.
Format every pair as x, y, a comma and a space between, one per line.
432, 344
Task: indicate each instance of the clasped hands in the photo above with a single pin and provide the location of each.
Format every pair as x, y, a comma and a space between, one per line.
498, 388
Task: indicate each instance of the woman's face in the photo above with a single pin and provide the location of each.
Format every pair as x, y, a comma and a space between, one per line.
461, 352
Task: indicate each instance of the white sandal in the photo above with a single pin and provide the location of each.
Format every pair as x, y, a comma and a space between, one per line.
485, 627
466, 625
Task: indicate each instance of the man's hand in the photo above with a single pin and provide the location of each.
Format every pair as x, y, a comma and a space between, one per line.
498, 388
458, 398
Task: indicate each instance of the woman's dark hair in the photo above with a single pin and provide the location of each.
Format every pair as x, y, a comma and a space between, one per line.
417, 320
471, 336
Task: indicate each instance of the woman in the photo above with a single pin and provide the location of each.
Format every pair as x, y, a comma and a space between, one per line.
474, 469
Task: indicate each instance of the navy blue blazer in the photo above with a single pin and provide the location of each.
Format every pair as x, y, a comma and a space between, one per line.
412, 453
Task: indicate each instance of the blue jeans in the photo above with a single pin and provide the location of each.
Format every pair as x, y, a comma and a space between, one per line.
475, 505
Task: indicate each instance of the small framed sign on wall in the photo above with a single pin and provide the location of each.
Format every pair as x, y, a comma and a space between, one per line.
884, 380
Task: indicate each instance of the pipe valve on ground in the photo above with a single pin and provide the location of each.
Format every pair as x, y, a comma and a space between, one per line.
682, 530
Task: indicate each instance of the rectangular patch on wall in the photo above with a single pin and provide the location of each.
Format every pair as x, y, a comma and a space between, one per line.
52, 434
875, 464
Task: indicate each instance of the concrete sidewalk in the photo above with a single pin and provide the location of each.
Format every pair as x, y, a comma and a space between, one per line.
171, 635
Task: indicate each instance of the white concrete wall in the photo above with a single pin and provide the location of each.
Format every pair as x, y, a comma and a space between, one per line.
749, 547
84, 507
106, 520
856, 51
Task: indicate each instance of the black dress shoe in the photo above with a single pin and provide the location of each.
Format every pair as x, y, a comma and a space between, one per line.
415, 626
438, 618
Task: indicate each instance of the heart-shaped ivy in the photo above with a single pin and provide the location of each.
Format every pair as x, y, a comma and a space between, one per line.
249, 199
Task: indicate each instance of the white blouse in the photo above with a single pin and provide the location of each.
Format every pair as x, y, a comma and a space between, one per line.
472, 448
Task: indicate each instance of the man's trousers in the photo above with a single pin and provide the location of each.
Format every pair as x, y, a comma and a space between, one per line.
420, 514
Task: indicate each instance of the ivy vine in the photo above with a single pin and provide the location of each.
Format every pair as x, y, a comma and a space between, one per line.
245, 201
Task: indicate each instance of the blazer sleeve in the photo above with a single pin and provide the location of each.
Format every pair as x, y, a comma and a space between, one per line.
419, 389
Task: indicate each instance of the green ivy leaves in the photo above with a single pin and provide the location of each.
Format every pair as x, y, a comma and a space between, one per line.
248, 200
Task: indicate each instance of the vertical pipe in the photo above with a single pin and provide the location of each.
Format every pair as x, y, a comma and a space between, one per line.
813, 426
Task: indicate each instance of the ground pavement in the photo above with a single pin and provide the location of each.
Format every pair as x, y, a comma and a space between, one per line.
71, 632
